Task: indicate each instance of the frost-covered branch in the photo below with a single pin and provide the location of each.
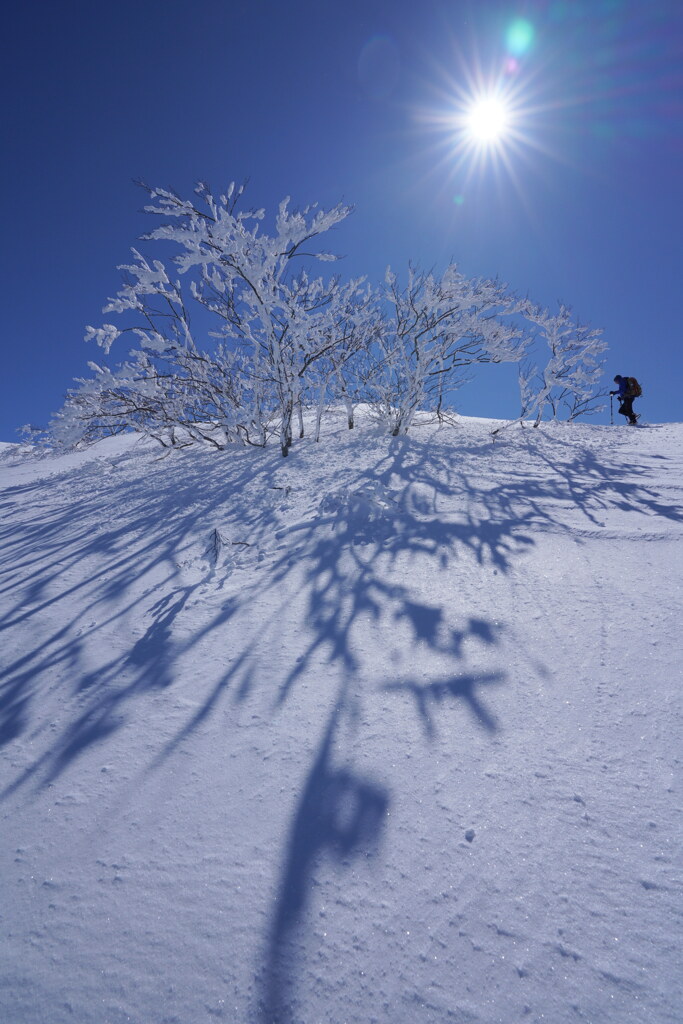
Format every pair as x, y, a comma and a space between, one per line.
265, 324
570, 377
433, 331
235, 332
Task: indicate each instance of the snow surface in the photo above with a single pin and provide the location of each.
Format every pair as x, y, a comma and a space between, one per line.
387, 731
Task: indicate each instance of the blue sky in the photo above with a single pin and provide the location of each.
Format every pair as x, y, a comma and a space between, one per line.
329, 100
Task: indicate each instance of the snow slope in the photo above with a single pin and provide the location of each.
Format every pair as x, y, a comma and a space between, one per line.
388, 731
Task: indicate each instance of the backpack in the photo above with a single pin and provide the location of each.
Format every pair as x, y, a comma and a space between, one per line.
634, 388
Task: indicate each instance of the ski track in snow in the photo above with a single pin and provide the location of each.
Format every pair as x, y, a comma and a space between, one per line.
388, 731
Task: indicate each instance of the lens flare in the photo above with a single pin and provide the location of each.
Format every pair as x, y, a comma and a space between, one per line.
520, 37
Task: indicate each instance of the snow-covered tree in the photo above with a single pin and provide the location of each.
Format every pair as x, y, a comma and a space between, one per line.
335, 378
280, 320
433, 331
267, 336
271, 330
570, 379
99, 406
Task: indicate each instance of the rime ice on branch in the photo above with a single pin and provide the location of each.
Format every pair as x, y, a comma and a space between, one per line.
236, 334
434, 331
273, 334
571, 376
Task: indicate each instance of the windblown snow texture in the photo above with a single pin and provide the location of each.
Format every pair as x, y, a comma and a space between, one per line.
389, 731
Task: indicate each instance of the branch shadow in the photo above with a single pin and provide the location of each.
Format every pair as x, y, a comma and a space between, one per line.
56, 566
340, 815
415, 504
462, 687
347, 555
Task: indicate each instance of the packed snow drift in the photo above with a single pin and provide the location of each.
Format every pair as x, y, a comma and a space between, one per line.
387, 731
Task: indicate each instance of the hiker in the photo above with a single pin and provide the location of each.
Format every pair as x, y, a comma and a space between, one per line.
627, 389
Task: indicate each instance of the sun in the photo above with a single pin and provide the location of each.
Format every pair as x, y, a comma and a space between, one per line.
493, 121
487, 120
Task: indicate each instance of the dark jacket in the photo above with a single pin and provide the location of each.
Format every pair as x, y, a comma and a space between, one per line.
624, 388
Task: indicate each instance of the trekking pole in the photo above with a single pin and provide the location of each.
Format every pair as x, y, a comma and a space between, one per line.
611, 411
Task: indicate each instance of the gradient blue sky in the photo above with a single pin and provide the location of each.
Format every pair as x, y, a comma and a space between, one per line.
349, 99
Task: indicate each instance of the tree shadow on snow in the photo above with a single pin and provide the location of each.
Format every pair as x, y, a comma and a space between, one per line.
82, 560
346, 557
348, 562
463, 687
340, 815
